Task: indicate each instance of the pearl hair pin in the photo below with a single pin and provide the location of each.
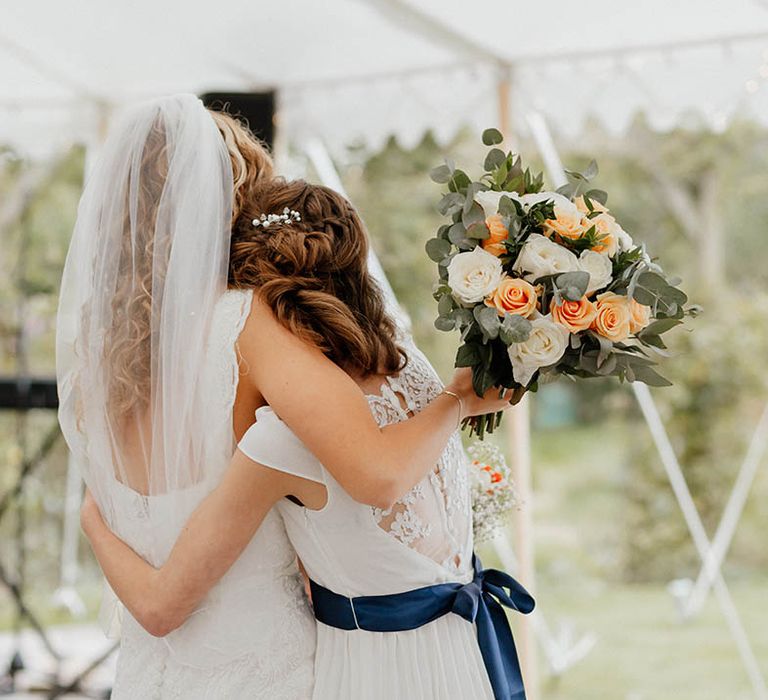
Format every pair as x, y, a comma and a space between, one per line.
288, 215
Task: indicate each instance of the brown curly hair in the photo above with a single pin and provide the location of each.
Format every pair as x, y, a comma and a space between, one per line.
313, 274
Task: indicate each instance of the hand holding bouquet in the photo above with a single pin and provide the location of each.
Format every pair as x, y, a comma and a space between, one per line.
544, 283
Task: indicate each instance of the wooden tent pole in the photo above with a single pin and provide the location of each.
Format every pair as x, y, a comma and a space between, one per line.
518, 431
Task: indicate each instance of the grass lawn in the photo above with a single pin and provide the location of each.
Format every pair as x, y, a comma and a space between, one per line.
643, 650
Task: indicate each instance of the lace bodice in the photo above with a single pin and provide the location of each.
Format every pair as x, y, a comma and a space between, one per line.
432, 517
356, 549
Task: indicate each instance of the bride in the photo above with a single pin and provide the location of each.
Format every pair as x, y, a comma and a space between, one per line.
161, 368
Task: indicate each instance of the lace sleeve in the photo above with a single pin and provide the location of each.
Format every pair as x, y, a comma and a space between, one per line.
269, 441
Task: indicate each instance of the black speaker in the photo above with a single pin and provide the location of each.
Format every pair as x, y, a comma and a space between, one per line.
256, 109
24, 393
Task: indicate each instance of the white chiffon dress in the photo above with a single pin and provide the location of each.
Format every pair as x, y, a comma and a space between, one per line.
358, 550
254, 634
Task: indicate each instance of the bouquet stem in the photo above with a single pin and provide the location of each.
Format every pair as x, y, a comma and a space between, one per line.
487, 423
480, 425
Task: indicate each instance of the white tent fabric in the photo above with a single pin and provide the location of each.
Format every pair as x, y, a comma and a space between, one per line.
360, 70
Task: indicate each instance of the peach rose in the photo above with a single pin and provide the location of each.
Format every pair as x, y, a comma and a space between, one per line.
574, 315
613, 317
606, 227
640, 316
567, 225
494, 244
513, 296
581, 205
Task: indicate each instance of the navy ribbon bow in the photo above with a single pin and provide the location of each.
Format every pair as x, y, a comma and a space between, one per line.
479, 601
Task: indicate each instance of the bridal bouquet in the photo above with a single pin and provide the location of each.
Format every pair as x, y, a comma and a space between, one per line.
493, 492
544, 283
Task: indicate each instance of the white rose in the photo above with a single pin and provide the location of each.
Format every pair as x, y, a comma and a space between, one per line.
564, 207
540, 257
598, 266
546, 344
489, 201
474, 275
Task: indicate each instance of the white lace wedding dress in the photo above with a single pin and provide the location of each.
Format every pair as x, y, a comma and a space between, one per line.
357, 550
254, 635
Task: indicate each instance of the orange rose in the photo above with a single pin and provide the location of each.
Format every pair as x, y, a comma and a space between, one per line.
581, 205
567, 227
640, 316
513, 296
494, 243
605, 227
574, 315
613, 317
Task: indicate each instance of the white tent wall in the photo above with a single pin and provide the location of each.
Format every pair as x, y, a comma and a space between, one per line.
365, 69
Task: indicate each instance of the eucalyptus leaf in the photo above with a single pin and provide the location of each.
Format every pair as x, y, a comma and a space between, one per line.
507, 206
606, 346
495, 158
457, 233
462, 316
441, 174
591, 170
492, 137
572, 285
459, 180
445, 305
651, 289
649, 376
474, 215
488, 320
653, 340
608, 366
445, 323
437, 249
478, 231
515, 329
469, 198
659, 327
597, 196
450, 203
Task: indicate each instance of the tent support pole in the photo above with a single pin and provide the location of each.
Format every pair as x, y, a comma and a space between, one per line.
518, 431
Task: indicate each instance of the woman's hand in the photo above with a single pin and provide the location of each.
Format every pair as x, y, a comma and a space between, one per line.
490, 402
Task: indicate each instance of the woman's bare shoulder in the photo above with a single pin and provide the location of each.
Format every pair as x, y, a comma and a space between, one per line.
265, 338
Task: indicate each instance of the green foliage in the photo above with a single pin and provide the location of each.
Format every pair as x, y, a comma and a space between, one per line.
719, 391
34, 246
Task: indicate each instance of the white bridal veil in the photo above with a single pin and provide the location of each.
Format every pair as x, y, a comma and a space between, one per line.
146, 266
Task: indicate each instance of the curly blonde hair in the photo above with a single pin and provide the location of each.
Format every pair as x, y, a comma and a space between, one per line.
127, 345
313, 274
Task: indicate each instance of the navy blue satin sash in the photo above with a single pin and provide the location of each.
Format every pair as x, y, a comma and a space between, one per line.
479, 601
